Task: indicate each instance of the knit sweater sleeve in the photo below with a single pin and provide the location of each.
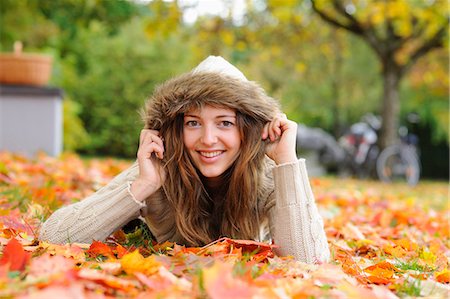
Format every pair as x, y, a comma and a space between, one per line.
95, 217
295, 223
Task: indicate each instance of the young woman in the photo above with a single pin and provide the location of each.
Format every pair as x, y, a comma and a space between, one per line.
216, 158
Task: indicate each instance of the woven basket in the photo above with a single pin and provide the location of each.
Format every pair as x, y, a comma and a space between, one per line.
25, 69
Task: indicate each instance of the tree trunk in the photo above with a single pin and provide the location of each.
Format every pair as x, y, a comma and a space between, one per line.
391, 104
336, 69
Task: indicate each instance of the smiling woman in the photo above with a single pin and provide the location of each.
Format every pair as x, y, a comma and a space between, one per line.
216, 158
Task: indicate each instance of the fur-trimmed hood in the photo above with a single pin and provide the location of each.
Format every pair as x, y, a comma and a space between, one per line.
206, 86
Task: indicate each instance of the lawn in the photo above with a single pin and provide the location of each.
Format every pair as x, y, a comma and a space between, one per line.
386, 240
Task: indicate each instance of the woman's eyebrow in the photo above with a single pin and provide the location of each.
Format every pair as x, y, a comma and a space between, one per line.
226, 115
218, 116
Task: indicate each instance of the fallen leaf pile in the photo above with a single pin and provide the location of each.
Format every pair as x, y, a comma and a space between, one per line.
386, 241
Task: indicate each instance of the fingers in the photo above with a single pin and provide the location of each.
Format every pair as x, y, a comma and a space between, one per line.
274, 129
150, 142
152, 134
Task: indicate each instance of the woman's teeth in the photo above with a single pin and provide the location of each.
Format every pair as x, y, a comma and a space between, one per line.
210, 154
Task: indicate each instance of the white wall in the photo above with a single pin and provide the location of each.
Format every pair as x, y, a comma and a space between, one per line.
30, 123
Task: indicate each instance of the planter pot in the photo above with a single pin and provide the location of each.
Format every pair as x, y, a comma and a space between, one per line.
24, 68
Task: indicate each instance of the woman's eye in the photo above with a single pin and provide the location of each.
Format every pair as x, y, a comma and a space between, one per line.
192, 123
226, 123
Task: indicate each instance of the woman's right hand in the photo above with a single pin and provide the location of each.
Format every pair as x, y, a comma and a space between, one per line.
151, 173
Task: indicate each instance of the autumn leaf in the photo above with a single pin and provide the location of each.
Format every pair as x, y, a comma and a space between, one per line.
48, 265
75, 290
99, 249
120, 251
381, 273
443, 276
134, 262
126, 285
219, 283
74, 251
15, 256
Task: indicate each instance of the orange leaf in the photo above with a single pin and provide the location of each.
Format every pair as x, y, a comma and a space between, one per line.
227, 245
15, 256
120, 251
220, 283
98, 248
407, 244
443, 276
72, 250
381, 273
109, 280
396, 251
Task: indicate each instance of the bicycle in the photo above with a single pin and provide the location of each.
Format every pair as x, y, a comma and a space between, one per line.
400, 162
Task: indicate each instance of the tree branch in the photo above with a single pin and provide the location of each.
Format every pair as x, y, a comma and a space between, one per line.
354, 24
436, 41
332, 20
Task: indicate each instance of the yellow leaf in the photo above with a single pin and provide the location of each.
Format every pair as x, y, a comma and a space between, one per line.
396, 251
428, 257
407, 244
135, 262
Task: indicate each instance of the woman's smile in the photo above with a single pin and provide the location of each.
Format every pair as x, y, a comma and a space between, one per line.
210, 154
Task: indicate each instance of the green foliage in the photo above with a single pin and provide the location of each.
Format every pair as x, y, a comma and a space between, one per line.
75, 136
22, 20
409, 288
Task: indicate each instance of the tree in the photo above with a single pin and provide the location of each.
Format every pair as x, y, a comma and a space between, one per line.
399, 32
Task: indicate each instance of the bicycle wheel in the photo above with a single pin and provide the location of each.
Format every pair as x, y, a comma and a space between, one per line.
398, 163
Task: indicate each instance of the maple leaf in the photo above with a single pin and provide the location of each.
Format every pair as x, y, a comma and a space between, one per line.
75, 290
163, 280
15, 256
219, 283
258, 250
98, 248
48, 270
443, 276
126, 285
120, 251
134, 262
381, 273
74, 251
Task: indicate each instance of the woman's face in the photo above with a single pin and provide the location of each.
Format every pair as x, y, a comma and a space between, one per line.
212, 139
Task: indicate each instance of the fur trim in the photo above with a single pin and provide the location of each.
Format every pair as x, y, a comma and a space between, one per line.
202, 87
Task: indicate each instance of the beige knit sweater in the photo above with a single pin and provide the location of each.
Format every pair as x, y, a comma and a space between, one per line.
294, 221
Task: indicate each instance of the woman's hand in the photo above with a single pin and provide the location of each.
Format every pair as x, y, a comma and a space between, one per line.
281, 134
151, 174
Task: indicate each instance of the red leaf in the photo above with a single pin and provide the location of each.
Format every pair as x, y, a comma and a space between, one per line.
15, 256
99, 248
226, 245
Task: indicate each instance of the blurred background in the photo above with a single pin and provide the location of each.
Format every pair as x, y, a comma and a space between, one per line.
330, 62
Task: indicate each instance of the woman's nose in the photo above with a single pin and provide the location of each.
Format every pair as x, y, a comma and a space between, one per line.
209, 136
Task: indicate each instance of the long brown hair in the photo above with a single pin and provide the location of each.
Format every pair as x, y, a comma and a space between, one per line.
187, 194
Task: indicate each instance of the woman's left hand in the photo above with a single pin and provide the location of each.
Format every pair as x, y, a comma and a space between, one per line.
281, 134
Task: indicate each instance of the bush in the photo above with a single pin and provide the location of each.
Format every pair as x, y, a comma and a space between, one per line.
75, 136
